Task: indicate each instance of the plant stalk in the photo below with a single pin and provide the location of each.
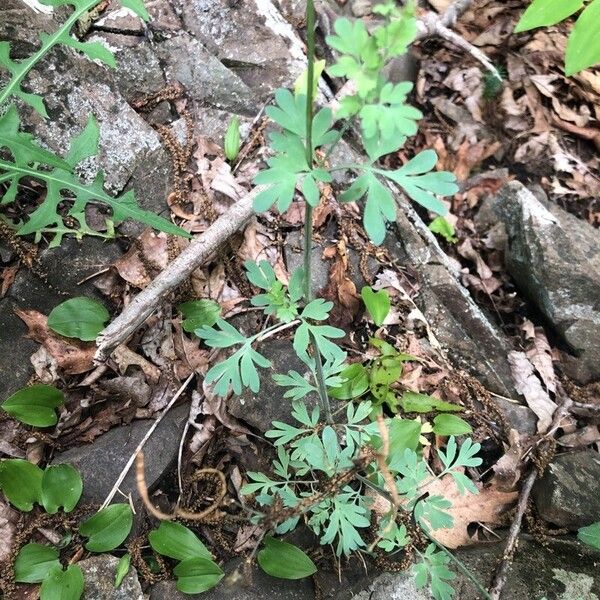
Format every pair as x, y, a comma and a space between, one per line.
308, 220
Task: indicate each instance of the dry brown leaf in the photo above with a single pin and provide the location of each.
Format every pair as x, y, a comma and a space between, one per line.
341, 290
540, 355
72, 356
530, 387
124, 357
507, 470
150, 252
582, 437
486, 507
8, 522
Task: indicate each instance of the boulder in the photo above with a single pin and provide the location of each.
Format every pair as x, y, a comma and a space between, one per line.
566, 495
99, 575
554, 259
101, 462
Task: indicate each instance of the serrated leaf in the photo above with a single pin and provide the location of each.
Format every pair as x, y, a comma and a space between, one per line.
21, 483
33, 563
197, 575
583, 47
35, 405
542, 13
285, 561
199, 313
377, 303
177, 541
63, 585
108, 528
82, 318
61, 486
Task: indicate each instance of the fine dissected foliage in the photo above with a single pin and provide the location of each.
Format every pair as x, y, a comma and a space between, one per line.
386, 121
63, 185
29, 160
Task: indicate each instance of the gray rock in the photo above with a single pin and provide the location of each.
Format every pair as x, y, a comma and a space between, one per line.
255, 41
204, 77
65, 267
362, 8
101, 462
473, 342
567, 495
260, 410
99, 574
554, 259
262, 587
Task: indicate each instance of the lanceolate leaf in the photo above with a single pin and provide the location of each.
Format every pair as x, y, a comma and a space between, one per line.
542, 13
197, 575
82, 318
583, 47
283, 560
177, 541
108, 528
590, 535
35, 405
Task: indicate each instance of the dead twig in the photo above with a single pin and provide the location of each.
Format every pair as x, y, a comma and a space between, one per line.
143, 441
150, 298
179, 512
501, 574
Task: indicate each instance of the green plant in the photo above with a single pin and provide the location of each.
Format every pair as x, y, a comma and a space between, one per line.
28, 160
590, 535
56, 487
232, 142
355, 450
583, 47
81, 318
35, 405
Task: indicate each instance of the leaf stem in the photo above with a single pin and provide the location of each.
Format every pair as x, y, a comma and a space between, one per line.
308, 221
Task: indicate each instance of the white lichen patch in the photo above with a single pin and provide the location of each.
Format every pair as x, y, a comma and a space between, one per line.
579, 585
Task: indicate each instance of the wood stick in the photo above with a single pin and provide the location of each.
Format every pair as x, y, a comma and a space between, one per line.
150, 298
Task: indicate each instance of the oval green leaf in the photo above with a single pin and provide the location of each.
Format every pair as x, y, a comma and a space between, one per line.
197, 575
422, 403
178, 542
198, 313
583, 47
590, 535
35, 405
542, 13
61, 486
33, 563
377, 303
108, 528
81, 318
356, 383
285, 561
122, 569
63, 585
445, 424
21, 483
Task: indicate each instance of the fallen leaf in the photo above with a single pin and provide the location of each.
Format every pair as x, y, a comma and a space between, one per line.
72, 356
582, 437
124, 358
530, 387
507, 470
540, 355
8, 522
148, 255
488, 507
